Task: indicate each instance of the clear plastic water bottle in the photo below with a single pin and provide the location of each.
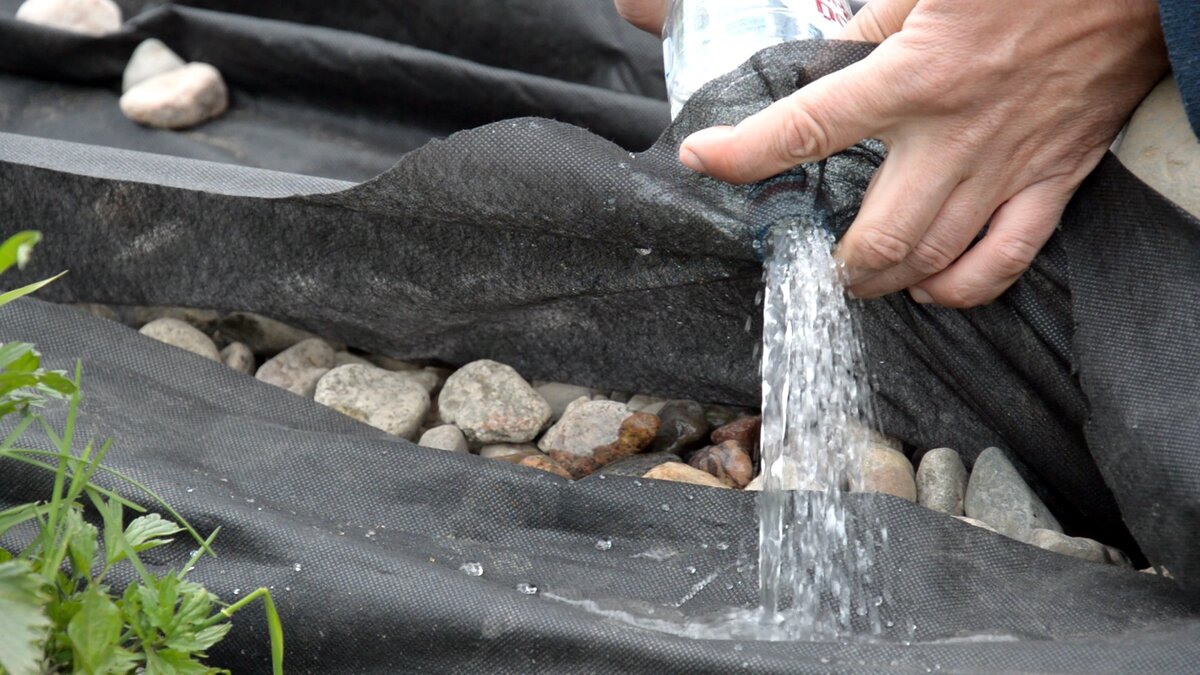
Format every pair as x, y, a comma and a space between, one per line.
704, 39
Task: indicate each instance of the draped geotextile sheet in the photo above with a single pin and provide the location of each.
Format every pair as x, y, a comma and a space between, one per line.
564, 247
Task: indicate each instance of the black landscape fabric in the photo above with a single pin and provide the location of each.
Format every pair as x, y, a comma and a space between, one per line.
562, 245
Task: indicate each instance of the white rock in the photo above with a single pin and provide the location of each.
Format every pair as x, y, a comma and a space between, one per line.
491, 403
151, 58
299, 367
382, 399
1077, 547
182, 335
239, 357
178, 99
498, 450
644, 403
90, 17
585, 426
445, 437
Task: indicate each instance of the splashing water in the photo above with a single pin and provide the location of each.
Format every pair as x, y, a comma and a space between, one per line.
814, 570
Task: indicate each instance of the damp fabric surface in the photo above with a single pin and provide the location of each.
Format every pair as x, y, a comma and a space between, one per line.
563, 238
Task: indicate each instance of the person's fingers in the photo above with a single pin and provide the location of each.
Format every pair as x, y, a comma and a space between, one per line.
1018, 231
825, 117
964, 214
904, 198
877, 20
648, 15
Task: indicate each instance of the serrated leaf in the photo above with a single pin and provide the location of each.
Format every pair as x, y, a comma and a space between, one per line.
195, 604
82, 545
146, 532
94, 631
199, 641
23, 621
16, 249
171, 662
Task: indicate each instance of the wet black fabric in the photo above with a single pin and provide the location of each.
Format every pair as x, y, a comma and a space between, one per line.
543, 244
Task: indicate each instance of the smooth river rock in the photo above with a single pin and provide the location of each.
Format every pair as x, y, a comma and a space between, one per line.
383, 399
264, 335
560, 395
584, 426
182, 335
942, 481
445, 437
635, 433
682, 425
888, 471
727, 462
177, 99
238, 356
544, 463
492, 403
151, 58
998, 496
299, 367
90, 17
1077, 547
682, 473
503, 450
204, 320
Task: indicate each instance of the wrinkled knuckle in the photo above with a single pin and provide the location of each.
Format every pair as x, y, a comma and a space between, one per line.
929, 257
880, 249
959, 297
806, 136
1012, 257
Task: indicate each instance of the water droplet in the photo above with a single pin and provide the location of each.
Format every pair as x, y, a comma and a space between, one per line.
622, 165
644, 251
722, 546
370, 533
879, 601
249, 500
236, 591
738, 648
472, 569
191, 489
824, 659
689, 569
527, 589
296, 567
665, 507
637, 483
603, 544
889, 623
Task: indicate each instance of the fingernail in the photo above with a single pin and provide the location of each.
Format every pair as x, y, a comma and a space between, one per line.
691, 160
920, 296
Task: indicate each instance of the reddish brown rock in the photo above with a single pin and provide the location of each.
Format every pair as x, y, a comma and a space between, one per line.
727, 462
679, 472
745, 431
544, 463
637, 431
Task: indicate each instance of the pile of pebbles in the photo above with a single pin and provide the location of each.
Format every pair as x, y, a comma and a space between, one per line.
159, 89
486, 408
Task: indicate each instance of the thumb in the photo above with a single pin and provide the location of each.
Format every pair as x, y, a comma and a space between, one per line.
827, 116
878, 20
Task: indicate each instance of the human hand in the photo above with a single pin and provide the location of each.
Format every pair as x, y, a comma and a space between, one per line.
645, 14
991, 111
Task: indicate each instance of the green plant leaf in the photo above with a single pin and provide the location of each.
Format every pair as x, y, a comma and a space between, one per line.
16, 249
23, 621
14, 355
201, 640
21, 292
172, 662
147, 531
81, 545
95, 632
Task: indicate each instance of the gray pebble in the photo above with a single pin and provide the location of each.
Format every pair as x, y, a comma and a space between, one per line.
346, 358
239, 357
585, 426
560, 395
90, 17
1077, 547
264, 335
683, 426
942, 481
179, 334
299, 367
492, 403
445, 437
151, 58
998, 496
204, 320
383, 399
638, 465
